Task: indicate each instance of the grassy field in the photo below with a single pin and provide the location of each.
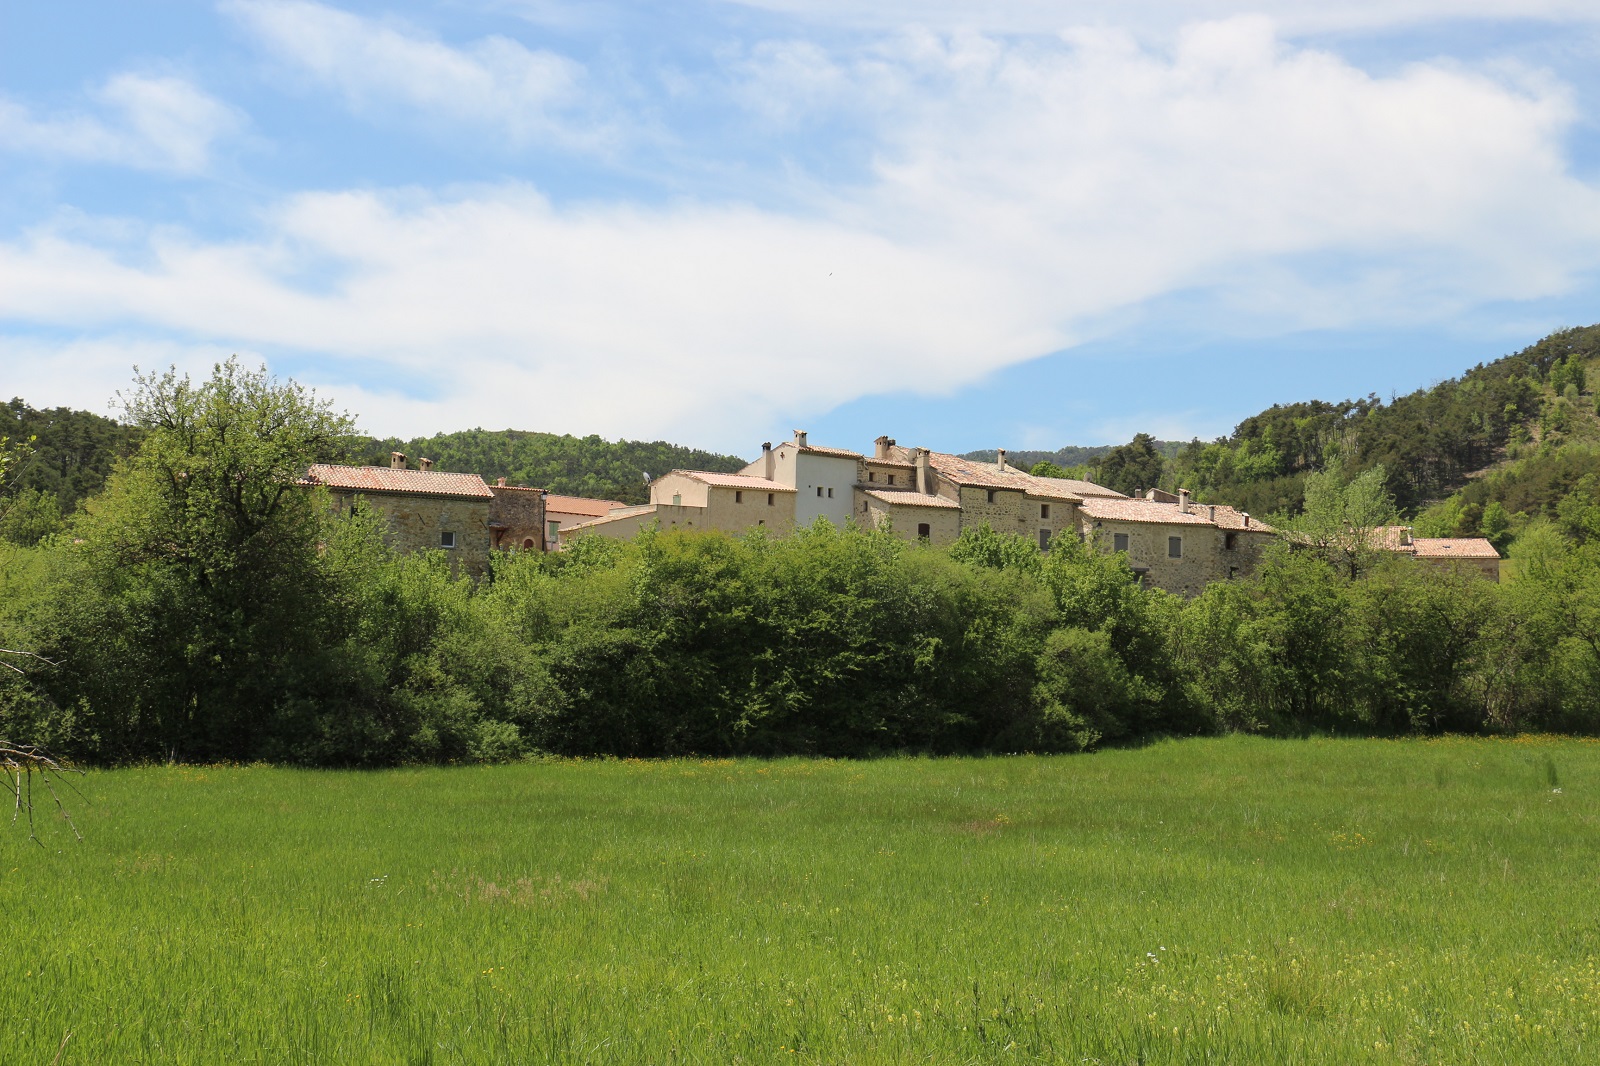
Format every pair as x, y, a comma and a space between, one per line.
1230, 901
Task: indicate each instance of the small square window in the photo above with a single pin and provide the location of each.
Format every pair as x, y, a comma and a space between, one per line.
923, 530
447, 540
1119, 542
891, 479
1174, 547
871, 476
1044, 510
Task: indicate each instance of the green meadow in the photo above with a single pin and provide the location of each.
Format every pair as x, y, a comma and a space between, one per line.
1228, 901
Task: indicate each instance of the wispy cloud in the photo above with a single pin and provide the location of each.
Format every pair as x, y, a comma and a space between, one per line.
1021, 195
151, 122
531, 96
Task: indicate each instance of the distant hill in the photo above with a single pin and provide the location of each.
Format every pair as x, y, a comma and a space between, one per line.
572, 466
1065, 457
73, 454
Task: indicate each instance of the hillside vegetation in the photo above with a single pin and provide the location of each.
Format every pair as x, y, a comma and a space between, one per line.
573, 466
1236, 901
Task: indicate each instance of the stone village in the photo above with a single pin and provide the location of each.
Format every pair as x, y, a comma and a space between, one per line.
1171, 541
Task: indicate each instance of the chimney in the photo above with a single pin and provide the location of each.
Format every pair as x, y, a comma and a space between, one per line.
397, 460
799, 438
424, 463
767, 469
1405, 536
880, 448
1000, 460
500, 482
1183, 501
1213, 514
1246, 516
923, 482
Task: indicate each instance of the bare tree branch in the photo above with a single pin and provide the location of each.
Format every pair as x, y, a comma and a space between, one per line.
20, 765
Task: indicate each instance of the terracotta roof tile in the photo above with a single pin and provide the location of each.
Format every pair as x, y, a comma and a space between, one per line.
579, 505
734, 481
404, 482
1454, 548
1200, 514
910, 499
838, 453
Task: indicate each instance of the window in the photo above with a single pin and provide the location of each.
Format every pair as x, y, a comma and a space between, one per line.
871, 476
830, 494
527, 545
447, 540
1174, 547
1044, 540
738, 497
1044, 510
989, 496
1233, 572
552, 529
771, 496
677, 499
923, 530
819, 492
1230, 541
891, 479
1119, 542
761, 521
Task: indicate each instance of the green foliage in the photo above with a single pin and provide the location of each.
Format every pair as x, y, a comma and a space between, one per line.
1130, 467
561, 463
1341, 517
29, 516
71, 454
1045, 468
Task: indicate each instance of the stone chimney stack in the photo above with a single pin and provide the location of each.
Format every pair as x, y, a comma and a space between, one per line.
500, 482
1183, 501
799, 438
880, 447
1000, 460
1212, 516
424, 463
924, 481
397, 460
768, 467
1405, 536
1246, 516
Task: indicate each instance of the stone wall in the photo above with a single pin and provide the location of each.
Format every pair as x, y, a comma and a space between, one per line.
944, 523
417, 523
516, 518
1205, 556
1013, 511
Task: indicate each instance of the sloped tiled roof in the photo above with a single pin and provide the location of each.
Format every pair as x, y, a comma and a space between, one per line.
579, 505
1199, 514
385, 479
972, 472
910, 499
734, 481
1454, 548
837, 453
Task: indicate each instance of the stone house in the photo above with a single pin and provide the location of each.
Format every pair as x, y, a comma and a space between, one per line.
427, 509
921, 494
700, 500
1472, 555
563, 512
1180, 546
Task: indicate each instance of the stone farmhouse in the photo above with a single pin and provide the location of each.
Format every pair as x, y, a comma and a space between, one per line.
1471, 555
432, 509
921, 494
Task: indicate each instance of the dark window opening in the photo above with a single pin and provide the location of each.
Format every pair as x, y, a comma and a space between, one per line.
1233, 572
923, 530
1230, 541
447, 540
1044, 540
527, 545
872, 476
891, 479
738, 497
989, 496
771, 496
1044, 510
1119, 542
1174, 547
830, 494
819, 491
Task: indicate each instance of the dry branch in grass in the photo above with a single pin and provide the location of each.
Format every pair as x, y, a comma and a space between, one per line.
21, 764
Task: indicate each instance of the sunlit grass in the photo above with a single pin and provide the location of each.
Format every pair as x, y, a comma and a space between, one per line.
1206, 901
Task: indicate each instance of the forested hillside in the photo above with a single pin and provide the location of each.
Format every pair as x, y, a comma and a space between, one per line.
574, 466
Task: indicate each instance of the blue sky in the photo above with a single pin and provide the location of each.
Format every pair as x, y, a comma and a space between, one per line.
1017, 223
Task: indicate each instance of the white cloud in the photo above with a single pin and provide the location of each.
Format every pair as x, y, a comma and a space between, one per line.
150, 122
1051, 16
1023, 195
531, 96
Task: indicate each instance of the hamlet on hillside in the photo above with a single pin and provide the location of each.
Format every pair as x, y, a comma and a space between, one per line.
1171, 541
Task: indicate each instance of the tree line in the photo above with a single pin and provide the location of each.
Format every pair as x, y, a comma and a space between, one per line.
205, 607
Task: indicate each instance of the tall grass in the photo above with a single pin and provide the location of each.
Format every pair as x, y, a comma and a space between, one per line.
1234, 900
